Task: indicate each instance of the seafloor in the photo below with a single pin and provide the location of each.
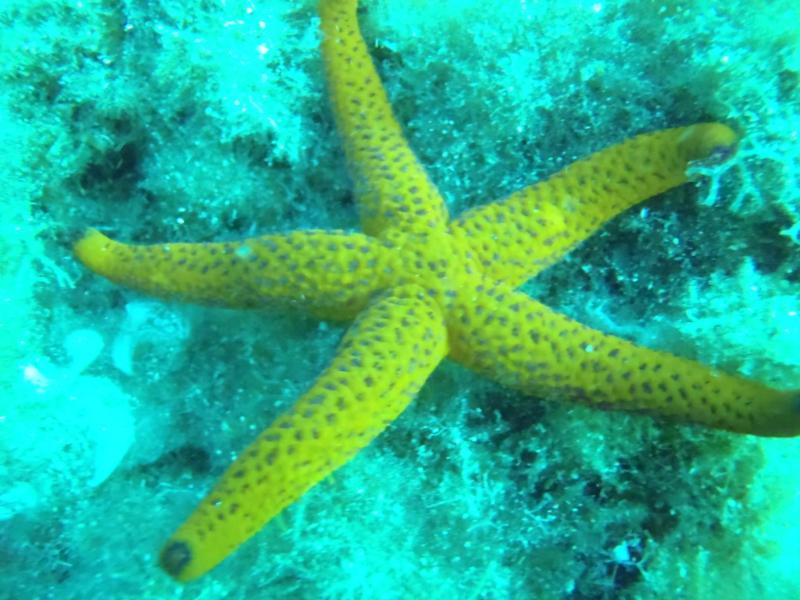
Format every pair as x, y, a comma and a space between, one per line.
208, 121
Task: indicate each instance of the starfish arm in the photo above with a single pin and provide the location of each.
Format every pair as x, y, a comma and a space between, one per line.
382, 362
331, 274
392, 187
518, 236
521, 343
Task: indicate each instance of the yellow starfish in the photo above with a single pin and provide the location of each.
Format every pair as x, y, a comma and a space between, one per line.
422, 287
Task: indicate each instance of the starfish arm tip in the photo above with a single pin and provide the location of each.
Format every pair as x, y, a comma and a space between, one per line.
175, 556
783, 417
714, 143
91, 249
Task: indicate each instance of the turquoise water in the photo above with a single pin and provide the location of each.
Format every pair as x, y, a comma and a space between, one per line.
163, 122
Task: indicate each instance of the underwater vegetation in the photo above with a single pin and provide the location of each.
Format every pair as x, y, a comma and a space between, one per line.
158, 123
